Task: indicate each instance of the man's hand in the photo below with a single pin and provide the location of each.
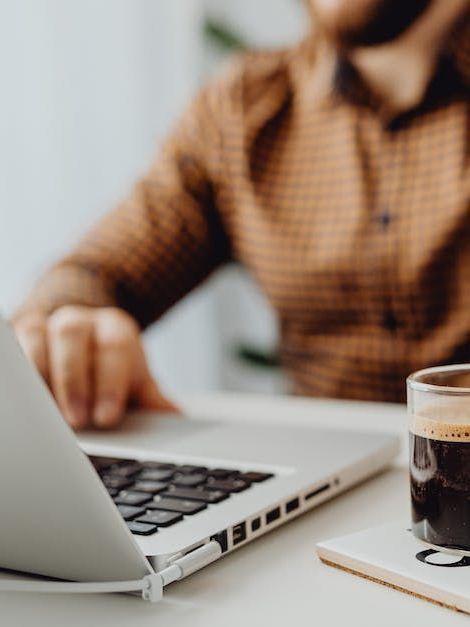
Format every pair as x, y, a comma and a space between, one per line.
93, 361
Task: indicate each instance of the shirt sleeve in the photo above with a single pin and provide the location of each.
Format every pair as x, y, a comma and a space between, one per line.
162, 241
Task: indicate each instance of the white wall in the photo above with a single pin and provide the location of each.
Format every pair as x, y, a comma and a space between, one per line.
88, 89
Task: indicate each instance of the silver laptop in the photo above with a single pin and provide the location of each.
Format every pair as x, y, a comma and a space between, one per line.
117, 515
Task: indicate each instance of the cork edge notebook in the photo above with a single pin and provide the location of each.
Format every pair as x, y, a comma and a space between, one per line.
392, 556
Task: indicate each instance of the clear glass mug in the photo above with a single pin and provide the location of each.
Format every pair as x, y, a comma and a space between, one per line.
439, 421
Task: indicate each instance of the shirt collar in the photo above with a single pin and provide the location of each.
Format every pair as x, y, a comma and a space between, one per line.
336, 80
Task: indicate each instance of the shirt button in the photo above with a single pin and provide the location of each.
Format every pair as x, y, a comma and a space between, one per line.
390, 321
384, 218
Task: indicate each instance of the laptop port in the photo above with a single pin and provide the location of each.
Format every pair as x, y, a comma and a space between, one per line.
273, 515
221, 538
255, 524
292, 505
319, 490
239, 533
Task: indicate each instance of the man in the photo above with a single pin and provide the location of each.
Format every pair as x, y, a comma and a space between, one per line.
337, 172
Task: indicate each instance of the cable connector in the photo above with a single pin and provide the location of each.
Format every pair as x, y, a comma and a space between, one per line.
191, 562
153, 588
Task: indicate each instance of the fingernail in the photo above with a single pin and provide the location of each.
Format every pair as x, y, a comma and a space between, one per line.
104, 413
76, 413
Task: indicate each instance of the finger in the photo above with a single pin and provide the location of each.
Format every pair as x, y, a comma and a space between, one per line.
31, 335
113, 363
145, 393
69, 336
149, 396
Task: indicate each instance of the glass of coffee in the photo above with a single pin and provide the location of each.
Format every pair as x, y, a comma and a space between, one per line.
439, 415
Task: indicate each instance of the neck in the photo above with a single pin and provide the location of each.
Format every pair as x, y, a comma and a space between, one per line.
399, 73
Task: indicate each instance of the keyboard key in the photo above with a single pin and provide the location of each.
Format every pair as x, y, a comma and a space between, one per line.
227, 485
158, 466
124, 470
101, 463
159, 518
188, 469
189, 480
195, 494
176, 505
113, 491
116, 482
132, 498
255, 477
142, 529
155, 475
152, 487
128, 512
221, 473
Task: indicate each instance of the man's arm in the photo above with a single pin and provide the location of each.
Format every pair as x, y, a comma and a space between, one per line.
79, 323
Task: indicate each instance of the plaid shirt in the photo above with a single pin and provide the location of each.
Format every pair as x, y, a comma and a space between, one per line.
356, 228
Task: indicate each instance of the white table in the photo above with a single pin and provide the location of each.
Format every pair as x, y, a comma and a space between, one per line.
277, 580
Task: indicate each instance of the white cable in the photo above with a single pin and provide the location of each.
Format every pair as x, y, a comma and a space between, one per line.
151, 585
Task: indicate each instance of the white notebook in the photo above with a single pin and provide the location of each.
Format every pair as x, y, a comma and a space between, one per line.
391, 555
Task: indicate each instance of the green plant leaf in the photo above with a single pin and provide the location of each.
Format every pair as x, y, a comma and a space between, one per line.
223, 36
257, 357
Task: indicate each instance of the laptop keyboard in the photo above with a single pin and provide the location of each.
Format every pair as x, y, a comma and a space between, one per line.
154, 495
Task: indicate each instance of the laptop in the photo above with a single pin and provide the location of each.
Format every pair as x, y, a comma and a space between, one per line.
113, 514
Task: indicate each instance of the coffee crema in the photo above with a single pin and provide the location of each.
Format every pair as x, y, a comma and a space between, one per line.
447, 423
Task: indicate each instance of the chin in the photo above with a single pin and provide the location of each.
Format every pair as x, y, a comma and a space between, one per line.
353, 23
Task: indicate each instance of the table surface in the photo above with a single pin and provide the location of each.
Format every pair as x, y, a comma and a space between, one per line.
278, 578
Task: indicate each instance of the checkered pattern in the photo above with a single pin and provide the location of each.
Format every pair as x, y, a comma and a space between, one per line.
356, 229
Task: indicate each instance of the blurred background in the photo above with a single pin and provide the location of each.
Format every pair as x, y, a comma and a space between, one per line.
89, 90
